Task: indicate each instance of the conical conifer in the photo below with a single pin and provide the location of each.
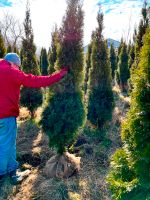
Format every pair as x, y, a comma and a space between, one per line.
30, 97
100, 97
2, 46
64, 113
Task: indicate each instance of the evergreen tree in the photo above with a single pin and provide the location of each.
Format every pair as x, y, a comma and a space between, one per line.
100, 102
131, 56
21, 55
123, 69
138, 39
116, 74
9, 48
134, 35
119, 49
30, 97
64, 113
131, 66
44, 62
113, 60
129, 46
41, 60
53, 49
129, 177
88, 66
143, 25
2, 46
16, 50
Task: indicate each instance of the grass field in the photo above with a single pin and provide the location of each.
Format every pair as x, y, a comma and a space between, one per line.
92, 146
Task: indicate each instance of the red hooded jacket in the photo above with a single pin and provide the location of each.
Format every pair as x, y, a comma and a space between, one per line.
11, 78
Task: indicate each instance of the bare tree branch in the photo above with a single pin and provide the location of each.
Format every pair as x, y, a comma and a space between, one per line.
12, 30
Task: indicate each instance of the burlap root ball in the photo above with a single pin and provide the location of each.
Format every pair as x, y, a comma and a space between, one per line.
62, 166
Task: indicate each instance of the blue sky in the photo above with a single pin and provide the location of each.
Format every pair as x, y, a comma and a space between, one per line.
120, 17
5, 3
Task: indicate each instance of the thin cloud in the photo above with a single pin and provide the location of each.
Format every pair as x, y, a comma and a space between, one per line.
120, 17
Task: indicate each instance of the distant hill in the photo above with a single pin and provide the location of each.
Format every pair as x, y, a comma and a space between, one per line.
115, 43
109, 42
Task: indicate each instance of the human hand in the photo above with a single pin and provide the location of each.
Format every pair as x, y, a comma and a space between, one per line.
64, 71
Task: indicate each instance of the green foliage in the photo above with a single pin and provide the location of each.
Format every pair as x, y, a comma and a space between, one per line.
53, 49
16, 50
9, 48
135, 134
123, 69
44, 62
64, 113
2, 46
70, 50
143, 26
121, 178
94, 134
100, 100
87, 68
117, 78
113, 60
61, 119
131, 56
138, 41
40, 58
100, 106
119, 48
31, 98
12, 49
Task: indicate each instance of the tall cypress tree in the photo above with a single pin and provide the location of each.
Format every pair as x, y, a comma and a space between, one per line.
2, 46
64, 113
113, 60
143, 25
87, 67
44, 62
53, 49
30, 97
129, 46
138, 38
100, 103
40, 60
131, 56
131, 61
119, 48
129, 177
117, 78
123, 68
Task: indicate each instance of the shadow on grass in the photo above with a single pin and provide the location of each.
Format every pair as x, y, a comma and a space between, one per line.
33, 152
95, 148
6, 189
89, 184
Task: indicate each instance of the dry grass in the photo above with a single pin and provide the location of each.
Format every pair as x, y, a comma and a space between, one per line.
89, 184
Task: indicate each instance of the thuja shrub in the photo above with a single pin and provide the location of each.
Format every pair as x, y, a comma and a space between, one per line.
100, 95
64, 113
135, 135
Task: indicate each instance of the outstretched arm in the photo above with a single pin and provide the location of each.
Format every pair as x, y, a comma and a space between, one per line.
30, 80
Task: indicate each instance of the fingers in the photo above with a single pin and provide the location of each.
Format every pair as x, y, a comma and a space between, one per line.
64, 71
65, 68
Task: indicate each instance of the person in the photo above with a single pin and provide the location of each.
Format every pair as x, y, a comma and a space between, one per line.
11, 79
